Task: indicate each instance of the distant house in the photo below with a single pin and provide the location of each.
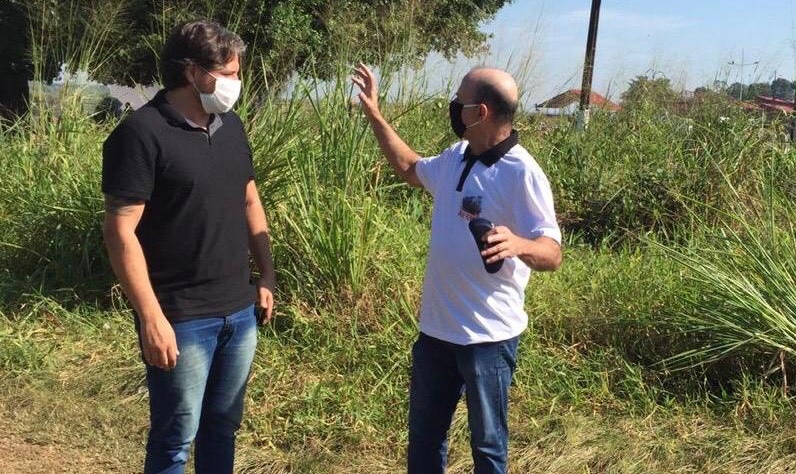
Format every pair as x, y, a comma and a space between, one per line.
769, 106
567, 102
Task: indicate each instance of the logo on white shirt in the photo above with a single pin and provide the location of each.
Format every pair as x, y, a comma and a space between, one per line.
471, 207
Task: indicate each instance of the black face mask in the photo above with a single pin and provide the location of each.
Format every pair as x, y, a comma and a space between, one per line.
455, 111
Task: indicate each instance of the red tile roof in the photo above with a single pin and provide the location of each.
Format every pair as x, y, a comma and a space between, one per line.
573, 95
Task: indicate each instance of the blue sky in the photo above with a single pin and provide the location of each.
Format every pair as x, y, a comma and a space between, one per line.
690, 42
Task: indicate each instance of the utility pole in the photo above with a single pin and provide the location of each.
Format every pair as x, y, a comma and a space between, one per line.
741, 65
588, 65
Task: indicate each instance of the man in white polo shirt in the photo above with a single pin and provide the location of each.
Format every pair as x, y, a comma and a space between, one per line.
471, 318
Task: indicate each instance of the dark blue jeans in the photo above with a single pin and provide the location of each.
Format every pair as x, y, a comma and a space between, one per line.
441, 372
202, 397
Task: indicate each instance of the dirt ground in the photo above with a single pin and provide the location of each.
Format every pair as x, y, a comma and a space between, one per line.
24, 449
18, 455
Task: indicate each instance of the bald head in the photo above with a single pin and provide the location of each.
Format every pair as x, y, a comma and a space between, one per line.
496, 89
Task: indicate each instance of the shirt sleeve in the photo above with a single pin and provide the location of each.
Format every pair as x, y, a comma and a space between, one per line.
534, 212
128, 164
230, 117
251, 160
430, 171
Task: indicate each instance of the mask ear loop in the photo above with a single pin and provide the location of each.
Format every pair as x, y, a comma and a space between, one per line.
215, 79
467, 127
472, 124
191, 62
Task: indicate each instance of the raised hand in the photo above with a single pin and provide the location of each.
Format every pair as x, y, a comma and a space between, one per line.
369, 95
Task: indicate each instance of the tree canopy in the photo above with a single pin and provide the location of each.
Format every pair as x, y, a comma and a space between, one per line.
782, 88
779, 88
643, 89
119, 40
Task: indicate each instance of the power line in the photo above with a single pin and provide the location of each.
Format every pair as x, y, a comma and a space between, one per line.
741, 65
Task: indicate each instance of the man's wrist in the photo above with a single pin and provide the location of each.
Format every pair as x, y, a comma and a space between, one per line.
151, 317
375, 117
527, 248
267, 281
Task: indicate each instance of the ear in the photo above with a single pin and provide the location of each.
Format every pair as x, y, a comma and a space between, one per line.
483, 111
189, 72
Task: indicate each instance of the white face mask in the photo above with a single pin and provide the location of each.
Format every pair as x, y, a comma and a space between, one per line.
223, 97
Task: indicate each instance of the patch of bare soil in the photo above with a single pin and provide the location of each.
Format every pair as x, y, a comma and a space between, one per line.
18, 455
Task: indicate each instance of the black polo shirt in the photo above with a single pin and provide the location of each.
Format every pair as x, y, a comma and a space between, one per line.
193, 231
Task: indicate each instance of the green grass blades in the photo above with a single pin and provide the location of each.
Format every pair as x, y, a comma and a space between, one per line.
742, 278
679, 252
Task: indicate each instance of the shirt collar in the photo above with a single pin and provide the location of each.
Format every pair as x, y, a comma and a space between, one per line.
494, 154
174, 117
212, 127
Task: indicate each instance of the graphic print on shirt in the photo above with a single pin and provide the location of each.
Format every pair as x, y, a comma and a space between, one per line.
471, 207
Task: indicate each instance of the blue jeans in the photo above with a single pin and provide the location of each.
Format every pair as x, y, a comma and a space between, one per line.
202, 397
441, 372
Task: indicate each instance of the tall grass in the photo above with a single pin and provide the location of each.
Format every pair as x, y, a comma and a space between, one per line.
712, 277
50, 237
632, 172
50, 240
744, 280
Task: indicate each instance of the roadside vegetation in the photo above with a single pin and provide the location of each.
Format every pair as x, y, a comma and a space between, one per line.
664, 344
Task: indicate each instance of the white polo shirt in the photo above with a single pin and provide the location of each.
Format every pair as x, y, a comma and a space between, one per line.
462, 303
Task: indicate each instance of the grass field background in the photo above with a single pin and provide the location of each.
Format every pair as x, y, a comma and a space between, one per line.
664, 343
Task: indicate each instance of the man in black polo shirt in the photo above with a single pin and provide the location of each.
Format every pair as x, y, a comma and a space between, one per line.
181, 215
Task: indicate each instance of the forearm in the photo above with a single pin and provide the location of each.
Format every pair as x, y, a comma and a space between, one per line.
400, 156
129, 265
541, 254
260, 243
260, 246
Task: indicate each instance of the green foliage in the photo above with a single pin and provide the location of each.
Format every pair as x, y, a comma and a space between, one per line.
644, 90
758, 88
308, 36
45, 186
782, 88
84, 35
634, 171
779, 88
746, 278
737, 91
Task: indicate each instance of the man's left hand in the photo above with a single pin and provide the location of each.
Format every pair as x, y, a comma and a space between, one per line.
503, 244
265, 300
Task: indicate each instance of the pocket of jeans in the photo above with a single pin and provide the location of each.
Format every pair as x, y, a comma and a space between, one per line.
507, 351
